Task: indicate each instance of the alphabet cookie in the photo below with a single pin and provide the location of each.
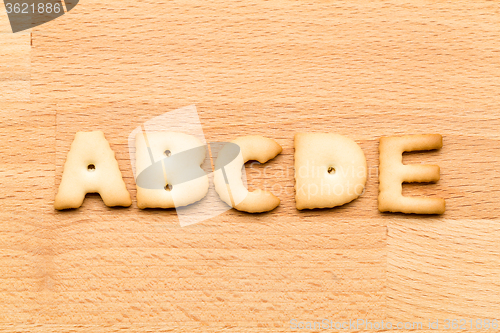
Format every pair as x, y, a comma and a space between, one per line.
168, 169
393, 173
330, 170
227, 177
91, 167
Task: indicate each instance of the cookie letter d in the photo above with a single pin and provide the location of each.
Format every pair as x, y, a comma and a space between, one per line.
330, 170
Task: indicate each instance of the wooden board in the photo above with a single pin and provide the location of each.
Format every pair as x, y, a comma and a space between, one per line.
359, 68
15, 62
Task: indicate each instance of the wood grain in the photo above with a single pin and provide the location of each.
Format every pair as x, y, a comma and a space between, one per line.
4, 19
15, 62
362, 69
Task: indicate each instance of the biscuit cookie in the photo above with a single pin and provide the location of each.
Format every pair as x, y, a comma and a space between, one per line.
393, 173
180, 180
330, 170
91, 167
227, 178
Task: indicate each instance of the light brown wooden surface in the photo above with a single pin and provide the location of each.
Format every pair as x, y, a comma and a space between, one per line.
362, 69
15, 62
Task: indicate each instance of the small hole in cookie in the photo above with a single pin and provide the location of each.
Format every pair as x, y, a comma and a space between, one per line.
167, 153
168, 187
331, 170
90, 167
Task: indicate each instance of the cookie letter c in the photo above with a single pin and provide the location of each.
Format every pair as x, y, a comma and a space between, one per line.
227, 177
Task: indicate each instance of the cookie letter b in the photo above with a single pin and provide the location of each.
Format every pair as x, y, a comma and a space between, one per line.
393, 173
168, 165
91, 167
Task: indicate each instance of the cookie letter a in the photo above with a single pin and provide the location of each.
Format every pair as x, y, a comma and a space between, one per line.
91, 167
393, 173
330, 170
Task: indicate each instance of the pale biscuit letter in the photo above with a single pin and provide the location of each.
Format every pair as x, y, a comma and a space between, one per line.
393, 173
227, 176
168, 170
330, 170
91, 167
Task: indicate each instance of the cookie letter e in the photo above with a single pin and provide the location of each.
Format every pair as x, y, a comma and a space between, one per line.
393, 173
91, 167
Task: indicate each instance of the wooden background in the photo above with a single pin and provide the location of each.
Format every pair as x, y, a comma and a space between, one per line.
359, 68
